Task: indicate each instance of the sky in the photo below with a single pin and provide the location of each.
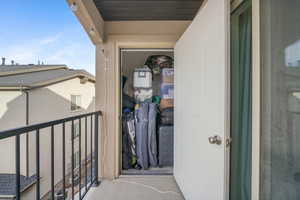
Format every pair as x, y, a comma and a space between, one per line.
46, 31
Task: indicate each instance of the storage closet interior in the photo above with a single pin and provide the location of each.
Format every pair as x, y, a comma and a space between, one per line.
147, 78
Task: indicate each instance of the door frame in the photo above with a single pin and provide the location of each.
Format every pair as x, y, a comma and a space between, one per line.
238, 7
256, 97
119, 57
256, 100
119, 45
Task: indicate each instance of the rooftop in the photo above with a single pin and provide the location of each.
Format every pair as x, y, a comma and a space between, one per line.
8, 186
33, 76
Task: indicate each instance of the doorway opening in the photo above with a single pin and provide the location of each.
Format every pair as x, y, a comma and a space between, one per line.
241, 102
147, 106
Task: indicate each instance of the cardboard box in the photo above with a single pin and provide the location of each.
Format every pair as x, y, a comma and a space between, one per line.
166, 103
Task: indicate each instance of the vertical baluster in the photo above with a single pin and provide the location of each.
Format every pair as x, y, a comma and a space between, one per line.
92, 149
85, 160
37, 150
72, 162
64, 158
52, 162
18, 183
80, 158
96, 148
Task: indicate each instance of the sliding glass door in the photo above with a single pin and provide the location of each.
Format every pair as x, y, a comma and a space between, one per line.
280, 136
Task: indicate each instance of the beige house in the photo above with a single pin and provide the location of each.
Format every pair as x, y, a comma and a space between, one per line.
32, 94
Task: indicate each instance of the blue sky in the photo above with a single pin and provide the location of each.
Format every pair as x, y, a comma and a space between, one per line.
45, 30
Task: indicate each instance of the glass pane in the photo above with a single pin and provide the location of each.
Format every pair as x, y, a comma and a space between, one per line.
280, 139
73, 102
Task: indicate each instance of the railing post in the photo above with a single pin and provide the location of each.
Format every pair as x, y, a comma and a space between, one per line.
85, 159
37, 149
18, 173
64, 158
52, 164
79, 158
72, 162
96, 182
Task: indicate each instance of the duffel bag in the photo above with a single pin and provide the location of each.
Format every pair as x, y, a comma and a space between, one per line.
167, 116
157, 62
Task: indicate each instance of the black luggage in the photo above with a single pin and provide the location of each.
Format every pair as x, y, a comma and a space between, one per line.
167, 116
166, 146
129, 146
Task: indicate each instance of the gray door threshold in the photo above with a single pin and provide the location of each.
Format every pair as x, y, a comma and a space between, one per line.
150, 171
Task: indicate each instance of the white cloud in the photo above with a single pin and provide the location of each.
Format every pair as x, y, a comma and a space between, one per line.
51, 39
55, 49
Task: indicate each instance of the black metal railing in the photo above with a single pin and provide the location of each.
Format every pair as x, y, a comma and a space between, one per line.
35, 129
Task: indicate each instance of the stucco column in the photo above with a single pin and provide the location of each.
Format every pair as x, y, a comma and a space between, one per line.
106, 102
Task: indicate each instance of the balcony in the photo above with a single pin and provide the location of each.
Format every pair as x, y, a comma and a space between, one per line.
77, 180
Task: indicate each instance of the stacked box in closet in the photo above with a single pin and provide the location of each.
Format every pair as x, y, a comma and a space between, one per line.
165, 130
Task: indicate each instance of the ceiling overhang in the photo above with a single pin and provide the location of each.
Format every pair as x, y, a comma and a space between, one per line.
141, 10
93, 14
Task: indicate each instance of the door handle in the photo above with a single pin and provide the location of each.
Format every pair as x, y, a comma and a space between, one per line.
215, 140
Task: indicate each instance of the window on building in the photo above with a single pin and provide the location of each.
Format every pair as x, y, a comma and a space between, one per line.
75, 102
76, 130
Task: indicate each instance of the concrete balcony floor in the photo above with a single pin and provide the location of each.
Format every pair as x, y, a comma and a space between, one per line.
137, 188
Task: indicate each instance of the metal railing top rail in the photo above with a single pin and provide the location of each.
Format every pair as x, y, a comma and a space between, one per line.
29, 128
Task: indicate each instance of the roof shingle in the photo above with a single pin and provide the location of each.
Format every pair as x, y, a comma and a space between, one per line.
8, 183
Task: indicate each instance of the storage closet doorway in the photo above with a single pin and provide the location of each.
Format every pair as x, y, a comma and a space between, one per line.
147, 144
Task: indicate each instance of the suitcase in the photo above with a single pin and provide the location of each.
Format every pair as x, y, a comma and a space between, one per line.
166, 146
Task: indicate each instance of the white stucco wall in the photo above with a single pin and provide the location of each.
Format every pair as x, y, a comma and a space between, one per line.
12, 115
45, 104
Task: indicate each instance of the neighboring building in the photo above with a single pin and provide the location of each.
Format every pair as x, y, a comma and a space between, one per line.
31, 94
